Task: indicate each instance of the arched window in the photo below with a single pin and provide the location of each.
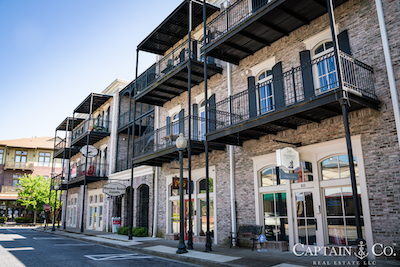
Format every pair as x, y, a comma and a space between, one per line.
337, 167
265, 94
202, 185
270, 176
325, 69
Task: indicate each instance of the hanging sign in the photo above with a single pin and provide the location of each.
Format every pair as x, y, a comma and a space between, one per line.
289, 176
89, 151
114, 189
175, 183
288, 158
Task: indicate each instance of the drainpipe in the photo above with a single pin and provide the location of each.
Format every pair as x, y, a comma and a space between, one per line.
389, 67
157, 175
232, 167
113, 131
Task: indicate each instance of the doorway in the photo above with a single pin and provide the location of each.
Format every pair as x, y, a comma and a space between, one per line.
143, 218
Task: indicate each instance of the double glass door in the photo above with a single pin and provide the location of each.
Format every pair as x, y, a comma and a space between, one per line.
305, 217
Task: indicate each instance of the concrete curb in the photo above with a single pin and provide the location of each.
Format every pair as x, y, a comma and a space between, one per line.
177, 257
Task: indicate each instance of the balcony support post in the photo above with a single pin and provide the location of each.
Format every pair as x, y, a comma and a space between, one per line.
208, 233
64, 222
344, 102
69, 163
189, 147
133, 151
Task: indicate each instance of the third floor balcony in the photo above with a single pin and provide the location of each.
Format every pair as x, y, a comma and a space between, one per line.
94, 128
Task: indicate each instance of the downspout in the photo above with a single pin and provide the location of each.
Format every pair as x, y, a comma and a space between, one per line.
389, 67
232, 167
112, 134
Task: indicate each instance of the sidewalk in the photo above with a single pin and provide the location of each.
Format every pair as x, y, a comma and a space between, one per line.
220, 256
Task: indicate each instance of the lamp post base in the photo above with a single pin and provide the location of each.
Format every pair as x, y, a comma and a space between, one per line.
208, 242
190, 240
181, 248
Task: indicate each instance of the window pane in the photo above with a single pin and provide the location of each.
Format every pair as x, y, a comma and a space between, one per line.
348, 200
203, 216
333, 202
300, 204
336, 231
281, 209
269, 205
175, 216
301, 230
267, 177
328, 45
202, 185
311, 232
351, 230
330, 169
270, 229
308, 198
283, 229
319, 49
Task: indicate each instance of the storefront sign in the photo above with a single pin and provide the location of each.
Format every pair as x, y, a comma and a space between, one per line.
289, 176
114, 189
288, 158
175, 183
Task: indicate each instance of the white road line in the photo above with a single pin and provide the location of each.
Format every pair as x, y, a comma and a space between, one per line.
60, 245
48, 238
117, 257
18, 249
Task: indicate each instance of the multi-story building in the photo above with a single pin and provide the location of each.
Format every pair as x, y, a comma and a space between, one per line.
17, 158
273, 82
275, 78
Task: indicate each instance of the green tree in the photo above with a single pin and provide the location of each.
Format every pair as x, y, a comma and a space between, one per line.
33, 193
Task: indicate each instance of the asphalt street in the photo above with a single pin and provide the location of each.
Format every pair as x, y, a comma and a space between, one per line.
25, 247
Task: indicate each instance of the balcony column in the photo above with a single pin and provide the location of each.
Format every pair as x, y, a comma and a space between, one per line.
69, 161
86, 159
133, 150
63, 173
344, 102
208, 233
189, 147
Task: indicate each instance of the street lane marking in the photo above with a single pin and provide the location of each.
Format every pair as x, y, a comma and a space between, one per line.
10, 237
48, 238
59, 245
117, 257
18, 249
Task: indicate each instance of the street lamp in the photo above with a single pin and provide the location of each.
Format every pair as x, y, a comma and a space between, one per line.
56, 187
181, 144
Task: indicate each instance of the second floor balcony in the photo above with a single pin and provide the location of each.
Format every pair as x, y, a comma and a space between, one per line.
93, 171
61, 150
158, 147
95, 128
24, 166
305, 94
168, 78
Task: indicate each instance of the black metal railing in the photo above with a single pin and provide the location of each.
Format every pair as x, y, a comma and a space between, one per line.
233, 15
357, 77
168, 63
92, 125
60, 145
92, 170
123, 165
166, 136
145, 117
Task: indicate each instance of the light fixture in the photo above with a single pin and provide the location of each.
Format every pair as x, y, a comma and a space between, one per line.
181, 142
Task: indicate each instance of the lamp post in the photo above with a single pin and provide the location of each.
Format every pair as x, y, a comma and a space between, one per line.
56, 187
181, 144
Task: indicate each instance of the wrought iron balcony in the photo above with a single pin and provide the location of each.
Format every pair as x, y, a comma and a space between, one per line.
245, 26
158, 146
96, 129
123, 165
168, 77
25, 166
9, 189
61, 150
94, 172
144, 119
289, 100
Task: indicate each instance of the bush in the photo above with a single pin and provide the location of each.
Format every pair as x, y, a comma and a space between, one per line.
23, 220
3, 219
136, 231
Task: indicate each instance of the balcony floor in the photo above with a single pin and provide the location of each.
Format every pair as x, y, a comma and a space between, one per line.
94, 137
170, 154
265, 26
59, 154
76, 182
175, 83
323, 107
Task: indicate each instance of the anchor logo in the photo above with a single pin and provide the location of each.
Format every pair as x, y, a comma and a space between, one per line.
361, 253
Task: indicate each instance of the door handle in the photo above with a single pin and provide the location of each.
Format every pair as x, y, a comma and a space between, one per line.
316, 225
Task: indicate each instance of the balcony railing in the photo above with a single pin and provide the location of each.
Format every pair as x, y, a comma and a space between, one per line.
232, 16
165, 137
60, 145
92, 125
168, 63
19, 165
93, 170
127, 117
9, 189
357, 76
123, 165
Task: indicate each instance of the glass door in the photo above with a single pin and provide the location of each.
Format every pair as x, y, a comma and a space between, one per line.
305, 218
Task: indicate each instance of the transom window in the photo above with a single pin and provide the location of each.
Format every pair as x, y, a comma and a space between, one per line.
268, 176
202, 185
337, 167
326, 68
305, 172
44, 159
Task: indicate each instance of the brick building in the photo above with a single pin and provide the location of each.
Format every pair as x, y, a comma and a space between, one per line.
272, 82
17, 158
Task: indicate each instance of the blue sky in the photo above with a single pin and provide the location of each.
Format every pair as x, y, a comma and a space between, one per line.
54, 53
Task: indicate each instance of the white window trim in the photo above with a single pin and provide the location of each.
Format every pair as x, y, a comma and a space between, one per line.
319, 37
265, 65
174, 110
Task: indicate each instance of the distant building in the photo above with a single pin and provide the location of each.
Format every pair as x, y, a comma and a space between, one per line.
17, 158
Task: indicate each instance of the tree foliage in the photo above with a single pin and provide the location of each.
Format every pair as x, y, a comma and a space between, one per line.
33, 193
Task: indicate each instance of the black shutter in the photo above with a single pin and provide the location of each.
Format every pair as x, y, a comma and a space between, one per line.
307, 74
194, 50
279, 94
212, 118
182, 121
251, 86
168, 125
195, 124
344, 44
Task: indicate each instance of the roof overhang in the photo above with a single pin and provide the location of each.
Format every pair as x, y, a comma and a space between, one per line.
98, 100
